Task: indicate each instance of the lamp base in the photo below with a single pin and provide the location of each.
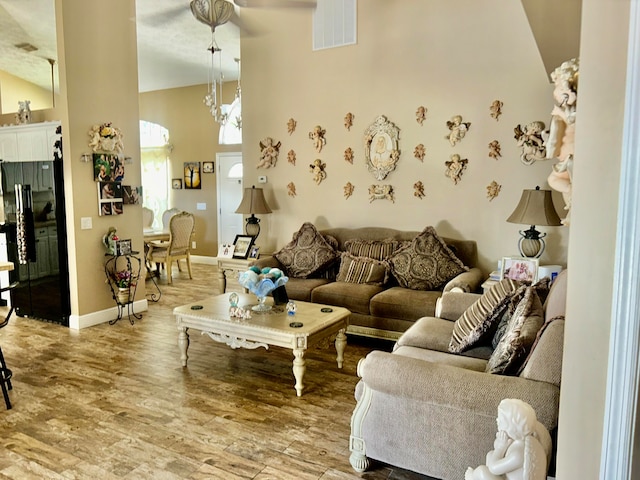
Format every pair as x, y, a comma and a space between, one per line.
252, 226
531, 243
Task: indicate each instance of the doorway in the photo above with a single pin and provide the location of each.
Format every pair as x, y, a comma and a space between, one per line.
229, 188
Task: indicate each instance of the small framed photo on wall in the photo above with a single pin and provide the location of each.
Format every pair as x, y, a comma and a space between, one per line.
207, 167
176, 184
192, 175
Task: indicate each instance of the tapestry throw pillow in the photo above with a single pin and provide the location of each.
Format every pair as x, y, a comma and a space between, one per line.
362, 270
376, 249
522, 329
426, 263
478, 320
307, 254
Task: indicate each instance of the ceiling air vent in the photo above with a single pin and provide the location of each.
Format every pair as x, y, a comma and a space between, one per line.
27, 47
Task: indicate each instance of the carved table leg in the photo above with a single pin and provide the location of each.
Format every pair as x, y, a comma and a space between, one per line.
183, 344
341, 343
299, 367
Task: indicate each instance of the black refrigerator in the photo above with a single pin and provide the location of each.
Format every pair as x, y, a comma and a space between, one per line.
36, 236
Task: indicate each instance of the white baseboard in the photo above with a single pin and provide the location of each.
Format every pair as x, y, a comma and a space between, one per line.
77, 322
204, 260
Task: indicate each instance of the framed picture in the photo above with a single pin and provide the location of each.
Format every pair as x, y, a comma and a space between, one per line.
522, 269
176, 183
131, 195
243, 244
123, 247
107, 167
254, 252
225, 250
192, 175
109, 198
207, 167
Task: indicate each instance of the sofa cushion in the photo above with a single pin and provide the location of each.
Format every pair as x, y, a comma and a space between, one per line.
376, 249
522, 329
362, 270
428, 332
548, 345
426, 263
300, 288
399, 302
307, 254
352, 296
434, 356
477, 320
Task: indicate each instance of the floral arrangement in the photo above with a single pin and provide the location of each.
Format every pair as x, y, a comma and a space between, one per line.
106, 138
262, 282
122, 278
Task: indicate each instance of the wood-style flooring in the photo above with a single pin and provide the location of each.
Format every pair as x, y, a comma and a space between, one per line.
113, 401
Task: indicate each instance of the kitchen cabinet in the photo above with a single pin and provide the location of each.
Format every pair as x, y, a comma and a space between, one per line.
28, 143
8, 146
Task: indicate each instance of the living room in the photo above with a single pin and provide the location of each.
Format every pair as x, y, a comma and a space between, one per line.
428, 47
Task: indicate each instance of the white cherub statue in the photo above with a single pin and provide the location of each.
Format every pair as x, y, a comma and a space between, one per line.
522, 448
24, 112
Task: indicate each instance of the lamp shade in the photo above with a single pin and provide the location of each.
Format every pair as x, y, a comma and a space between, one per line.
535, 208
253, 202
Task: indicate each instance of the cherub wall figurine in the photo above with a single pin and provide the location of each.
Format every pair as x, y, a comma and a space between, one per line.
521, 449
24, 112
317, 168
348, 189
530, 142
348, 121
291, 189
560, 143
458, 129
493, 189
421, 114
348, 155
291, 126
291, 157
317, 135
494, 149
419, 152
496, 109
455, 167
380, 192
418, 189
268, 153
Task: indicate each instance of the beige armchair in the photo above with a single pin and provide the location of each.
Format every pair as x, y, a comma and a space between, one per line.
181, 228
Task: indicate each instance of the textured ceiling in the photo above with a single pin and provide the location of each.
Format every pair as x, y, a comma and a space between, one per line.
172, 44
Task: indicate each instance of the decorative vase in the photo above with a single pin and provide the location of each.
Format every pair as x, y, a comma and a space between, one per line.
261, 306
123, 295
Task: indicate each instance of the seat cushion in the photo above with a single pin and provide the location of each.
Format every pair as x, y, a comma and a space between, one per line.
352, 296
307, 254
427, 263
399, 302
301, 288
434, 356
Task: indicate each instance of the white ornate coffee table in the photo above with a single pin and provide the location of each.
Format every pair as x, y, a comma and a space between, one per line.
311, 323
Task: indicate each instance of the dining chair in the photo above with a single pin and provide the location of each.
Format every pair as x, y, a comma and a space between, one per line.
5, 373
147, 217
181, 228
166, 217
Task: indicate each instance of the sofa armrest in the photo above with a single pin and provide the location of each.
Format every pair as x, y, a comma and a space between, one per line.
458, 388
268, 261
468, 281
451, 305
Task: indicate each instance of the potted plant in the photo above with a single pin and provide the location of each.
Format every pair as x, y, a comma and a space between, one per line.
122, 279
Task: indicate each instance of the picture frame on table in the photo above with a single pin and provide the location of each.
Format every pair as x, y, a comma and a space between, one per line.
242, 244
123, 247
522, 269
225, 250
254, 252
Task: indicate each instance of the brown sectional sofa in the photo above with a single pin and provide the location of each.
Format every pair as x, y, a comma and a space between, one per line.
380, 311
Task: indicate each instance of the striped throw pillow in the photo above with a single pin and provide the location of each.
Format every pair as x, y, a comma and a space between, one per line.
376, 249
482, 315
362, 270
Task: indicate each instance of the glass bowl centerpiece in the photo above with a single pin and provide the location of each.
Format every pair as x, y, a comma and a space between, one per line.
261, 283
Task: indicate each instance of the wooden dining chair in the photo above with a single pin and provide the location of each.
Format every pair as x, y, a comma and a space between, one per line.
181, 228
147, 217
166, 217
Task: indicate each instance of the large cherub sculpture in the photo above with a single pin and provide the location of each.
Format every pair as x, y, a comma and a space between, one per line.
560, 144
521, 449
531, 142
268, 153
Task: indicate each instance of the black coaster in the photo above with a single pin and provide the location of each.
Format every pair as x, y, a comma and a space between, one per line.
326, 310
196, 307
296, 324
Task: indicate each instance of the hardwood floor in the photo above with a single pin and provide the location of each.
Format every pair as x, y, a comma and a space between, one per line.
112, 401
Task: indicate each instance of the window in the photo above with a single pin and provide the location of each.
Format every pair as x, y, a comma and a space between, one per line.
231, 130
154, 157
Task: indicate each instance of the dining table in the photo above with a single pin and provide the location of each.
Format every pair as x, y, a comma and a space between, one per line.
151, 235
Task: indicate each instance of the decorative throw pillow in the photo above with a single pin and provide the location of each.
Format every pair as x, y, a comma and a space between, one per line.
307, 254
376, 249
521, 332
362, 270
478, 320
426, 263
